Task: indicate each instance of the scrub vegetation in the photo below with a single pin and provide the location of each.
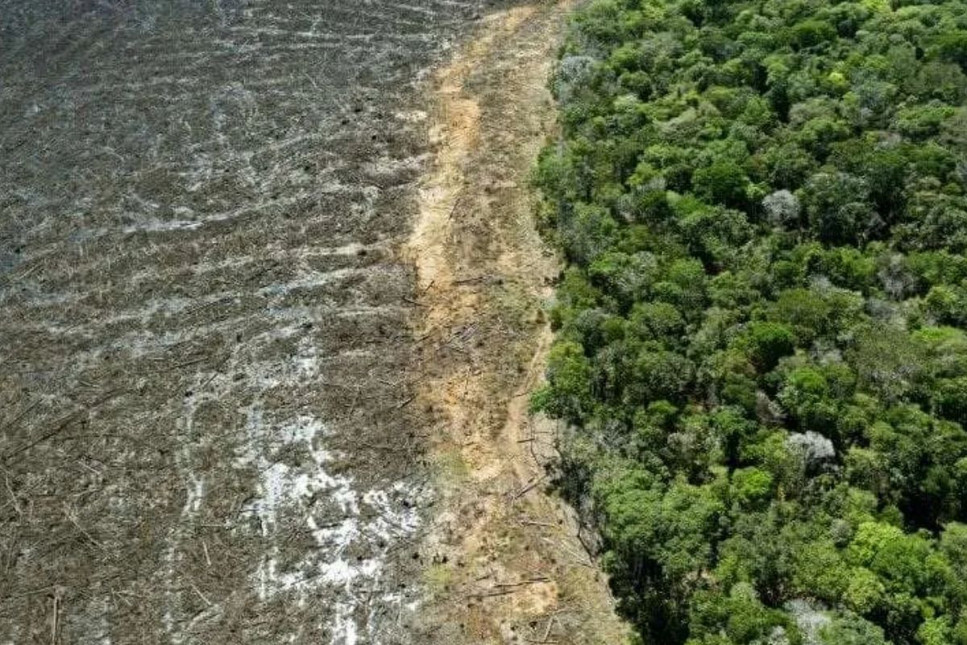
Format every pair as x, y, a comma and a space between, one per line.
760, 346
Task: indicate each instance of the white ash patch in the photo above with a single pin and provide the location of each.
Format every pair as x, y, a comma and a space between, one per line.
411, 116
389, 166
354, 529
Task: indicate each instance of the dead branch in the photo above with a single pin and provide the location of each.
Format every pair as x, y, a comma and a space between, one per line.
528, 487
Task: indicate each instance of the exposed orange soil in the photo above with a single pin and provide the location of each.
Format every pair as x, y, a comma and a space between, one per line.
504, 561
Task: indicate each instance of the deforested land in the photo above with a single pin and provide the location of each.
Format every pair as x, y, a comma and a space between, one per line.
271, 306
204, 338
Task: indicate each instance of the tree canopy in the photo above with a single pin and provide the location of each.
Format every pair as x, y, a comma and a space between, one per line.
760, 348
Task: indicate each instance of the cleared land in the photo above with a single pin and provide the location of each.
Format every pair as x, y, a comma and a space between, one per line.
242, 399
205, 433
506, 562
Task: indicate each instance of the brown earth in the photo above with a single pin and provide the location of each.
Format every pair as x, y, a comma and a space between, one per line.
212, 410
505, 561
206, 424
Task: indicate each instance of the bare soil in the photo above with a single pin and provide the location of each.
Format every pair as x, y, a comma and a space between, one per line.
506, 560
206, 428
231, 408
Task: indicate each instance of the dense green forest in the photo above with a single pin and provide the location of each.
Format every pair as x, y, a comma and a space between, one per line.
760, 353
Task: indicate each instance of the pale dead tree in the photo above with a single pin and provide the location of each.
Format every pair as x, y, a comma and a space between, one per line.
813, 446
895, 277
573, 73
782, 209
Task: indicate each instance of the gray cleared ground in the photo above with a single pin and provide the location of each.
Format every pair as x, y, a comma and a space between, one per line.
204, 421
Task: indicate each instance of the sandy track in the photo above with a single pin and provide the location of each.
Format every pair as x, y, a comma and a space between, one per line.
503, 560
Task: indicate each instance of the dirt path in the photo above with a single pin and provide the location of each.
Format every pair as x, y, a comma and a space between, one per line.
503, 561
